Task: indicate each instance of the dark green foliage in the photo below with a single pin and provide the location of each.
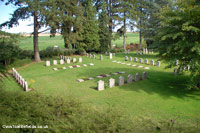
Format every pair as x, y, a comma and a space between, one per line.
67, 16
89, 37
8, 53
179, 37
51, 51
104, 30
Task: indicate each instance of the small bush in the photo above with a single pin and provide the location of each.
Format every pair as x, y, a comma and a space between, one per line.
51, 51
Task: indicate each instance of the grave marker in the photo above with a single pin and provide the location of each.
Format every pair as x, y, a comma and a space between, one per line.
61, 61
101, 57
152, 62
130, 58
130, 79
80, 60
158, 63
110, 55
176, 62
47, 63
121, 80
100, 85
55, 62
68, 61
144, 76
111, 82
74, 60
126, 58
175, 71
135, 59
146, 61
137, 77
140, 60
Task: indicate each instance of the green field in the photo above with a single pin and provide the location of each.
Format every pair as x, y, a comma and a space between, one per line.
46, 41
162, 96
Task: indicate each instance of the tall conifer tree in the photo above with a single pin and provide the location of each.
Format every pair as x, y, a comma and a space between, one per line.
104, 29
89, 36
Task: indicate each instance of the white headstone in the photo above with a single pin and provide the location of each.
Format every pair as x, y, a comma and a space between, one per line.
47, 63
144, 51
90, 55
13, 71
100, 85
110, 56
55, 62
126, 58
23, 83
26, 86
121, 80
61, 61
158, 63
111, 82
68, 61
137, 52
94, 56
101, 57
130, 79
176, 62
87, 54
188, 67
74, 60
130, 58
80, 60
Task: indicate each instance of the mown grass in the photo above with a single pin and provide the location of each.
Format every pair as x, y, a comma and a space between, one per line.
46, 41
162, 97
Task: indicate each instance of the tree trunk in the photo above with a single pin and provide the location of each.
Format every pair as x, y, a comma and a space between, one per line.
110, 22
140, 34
35, 38
124, 32
110, 30
65, 42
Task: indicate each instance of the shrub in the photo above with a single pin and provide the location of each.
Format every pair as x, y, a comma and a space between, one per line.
51, 51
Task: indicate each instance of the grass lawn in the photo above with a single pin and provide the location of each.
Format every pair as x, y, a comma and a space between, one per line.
46, 41
162, 96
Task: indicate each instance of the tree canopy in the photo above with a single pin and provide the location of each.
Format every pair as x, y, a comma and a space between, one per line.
178, 37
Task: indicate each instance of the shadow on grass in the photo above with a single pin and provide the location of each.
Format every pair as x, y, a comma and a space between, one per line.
165, 84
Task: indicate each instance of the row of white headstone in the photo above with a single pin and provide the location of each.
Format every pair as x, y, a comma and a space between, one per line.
158, 63
176, 70
22, 82
101, 56
145, 51
100, 84
63, 62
